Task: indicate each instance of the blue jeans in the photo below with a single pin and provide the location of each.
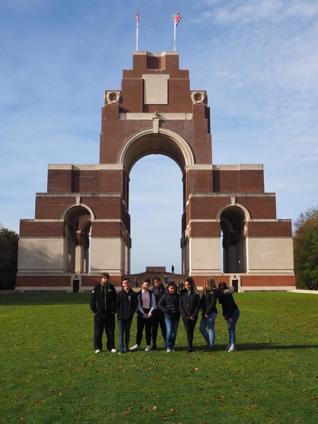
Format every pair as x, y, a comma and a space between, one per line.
172, 328
231, 324
208, 323
124, 333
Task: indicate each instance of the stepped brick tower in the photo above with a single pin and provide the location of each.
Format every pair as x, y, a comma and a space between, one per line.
82, 224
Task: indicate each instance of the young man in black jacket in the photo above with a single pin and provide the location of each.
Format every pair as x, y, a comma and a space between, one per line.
158, 316
126, 307
103, 306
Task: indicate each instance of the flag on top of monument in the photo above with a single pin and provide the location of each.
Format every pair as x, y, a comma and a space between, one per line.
137, 19
177, 18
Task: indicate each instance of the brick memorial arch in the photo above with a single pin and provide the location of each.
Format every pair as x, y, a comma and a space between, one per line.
82, 223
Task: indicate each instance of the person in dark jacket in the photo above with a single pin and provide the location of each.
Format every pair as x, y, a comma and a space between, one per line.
189, 309
158, 316
103, 306
209, 312
231, 312
146, 304
169, 306
126, 307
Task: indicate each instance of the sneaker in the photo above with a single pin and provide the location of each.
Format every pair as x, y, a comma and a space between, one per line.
113, 350
97, 351
147, 348
169, 350
135, 347
232, 348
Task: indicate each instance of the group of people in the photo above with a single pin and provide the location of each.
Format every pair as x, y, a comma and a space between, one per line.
160, 306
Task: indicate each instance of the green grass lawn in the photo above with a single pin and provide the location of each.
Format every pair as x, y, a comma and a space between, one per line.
50, 374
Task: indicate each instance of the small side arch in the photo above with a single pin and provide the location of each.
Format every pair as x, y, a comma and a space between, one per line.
233, 219
75, 205
77, 227
238, 205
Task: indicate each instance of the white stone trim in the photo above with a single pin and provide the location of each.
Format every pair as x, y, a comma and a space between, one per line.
266, 288
231, 193
81, 194
148, 116
158, 54
199, 167
269, 271
239, 167
87, 167
303, 291
67, 167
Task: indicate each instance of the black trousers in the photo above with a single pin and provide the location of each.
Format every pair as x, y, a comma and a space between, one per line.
158, 319
124, 333
141, 324
104, 322
189, 325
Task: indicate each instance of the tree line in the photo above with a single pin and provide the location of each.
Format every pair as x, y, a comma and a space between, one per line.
8, 258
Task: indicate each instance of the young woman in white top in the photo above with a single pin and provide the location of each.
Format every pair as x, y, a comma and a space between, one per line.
146, 304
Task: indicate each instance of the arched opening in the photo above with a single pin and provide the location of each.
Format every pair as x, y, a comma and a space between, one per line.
164, 143
233, 239
77, 226
155, 207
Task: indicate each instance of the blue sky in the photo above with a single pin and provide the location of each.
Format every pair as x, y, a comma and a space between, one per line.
257, 59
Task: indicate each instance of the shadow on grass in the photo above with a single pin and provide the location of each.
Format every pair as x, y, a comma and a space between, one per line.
240, 347
274, 346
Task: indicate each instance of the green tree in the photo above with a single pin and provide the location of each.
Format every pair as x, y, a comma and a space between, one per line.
306, 249
8, 258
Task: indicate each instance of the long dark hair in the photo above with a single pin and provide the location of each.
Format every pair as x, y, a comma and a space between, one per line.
192, 284
209, 285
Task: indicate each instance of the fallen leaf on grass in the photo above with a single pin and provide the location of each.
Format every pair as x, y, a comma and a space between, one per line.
154, 408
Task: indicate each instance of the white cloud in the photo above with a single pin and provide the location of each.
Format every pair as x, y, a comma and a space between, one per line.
249, 11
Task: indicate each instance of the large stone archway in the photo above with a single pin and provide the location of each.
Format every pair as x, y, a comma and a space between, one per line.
155, 111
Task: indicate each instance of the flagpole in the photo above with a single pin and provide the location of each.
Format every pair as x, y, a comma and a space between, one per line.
174, 33
137, 38
137, 32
